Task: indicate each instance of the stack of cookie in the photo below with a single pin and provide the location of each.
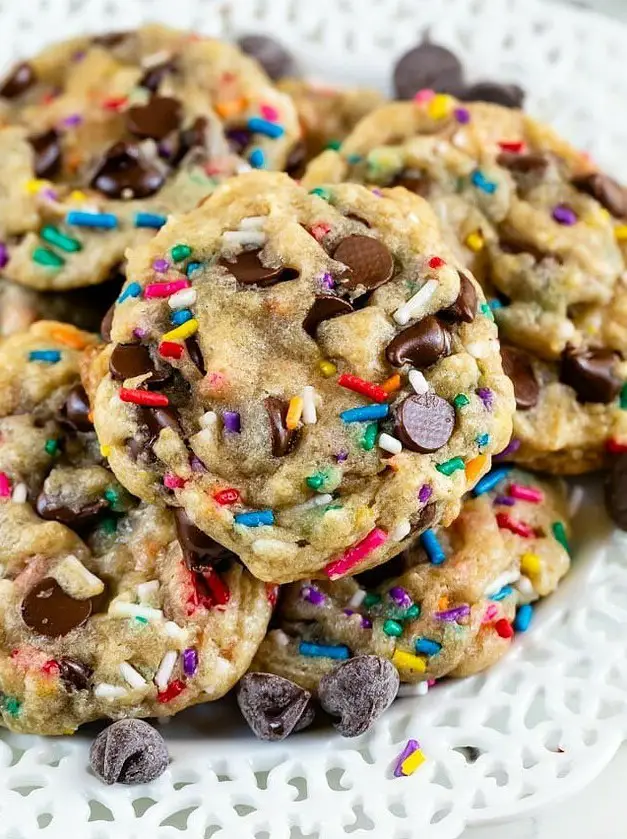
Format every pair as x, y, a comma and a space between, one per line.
298, 384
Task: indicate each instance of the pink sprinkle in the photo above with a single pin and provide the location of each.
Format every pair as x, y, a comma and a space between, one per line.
319, 231
269, 112
353, 556
165, 289
535, 496
424, 95
161, 265
5, 485
490, 613
173, 481
140, 333
519, 528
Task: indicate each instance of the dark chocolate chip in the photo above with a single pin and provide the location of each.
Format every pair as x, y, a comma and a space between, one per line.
591, 374
107, 321
152, 78
52, 509
423, 519
465, 306
48, 610
195, 353
47, 148
199, 549
249, 270
239, 138
125, 173
76, 410
325, 307
296, 160
157, 419
420, 345
283, 439
20, 78
135, 448
616, 491
606, 190
76, 675
129, 752
517, 366
523, 164
507, 95
192, 137
110, 39
414, 181
273, 57
130, 360
156, 119
424, 422
369, 262
358, 691
272, 706
427, 66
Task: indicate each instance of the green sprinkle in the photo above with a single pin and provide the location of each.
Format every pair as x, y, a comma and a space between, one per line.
321, 192
370, 436
333, 507
334, 145
461, 400
623, 397
560, 534
112, 496
180, 252
371, 600
392, 628
316, 481
109, 525
354, 158
485, 309
54, 236
46, 257
51, 447
450, 466
12, 705
413, 612
141, 620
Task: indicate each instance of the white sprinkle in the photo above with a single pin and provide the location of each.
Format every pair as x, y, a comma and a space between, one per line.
127, 193
162, 676
357, 599
309, 405
121, 609
390, 444
526, 591
419, 689
156, 58
183, 299
402, 529
173, 630
418, 382
105, 691
209, 420
20, 494
71, 572
415, 306
252, 223
316, 501
241, 167
504, 579
135, 679
265, 547
146, 590
280, 637
574, 502
245, 238
479, 349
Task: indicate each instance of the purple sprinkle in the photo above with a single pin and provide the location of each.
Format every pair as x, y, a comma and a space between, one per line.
400, 597
505, 500
196, 464
512, 446
486, 396
424, 494
166, 149
48, 194
452, 615
190, 661
327, 281
140, 333
79, 55
341, 456
366, 623
313, 595
72, 119
376, 192
4, 254
411, 747
231, 421
349, 612
161, 265
563, 214
462, 115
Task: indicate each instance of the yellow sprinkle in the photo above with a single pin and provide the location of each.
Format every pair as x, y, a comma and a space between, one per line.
35, 185
328, 368
294, 412
185, 330
105, 451
475, 241
605, 214
408, 661
621, 232
77, 196
530, 565
413, 762
440, 106
392, 384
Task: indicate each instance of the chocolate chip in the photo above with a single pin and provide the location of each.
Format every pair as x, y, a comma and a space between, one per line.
124, 172
156, 119
76, 675
507, 95
616, 491
129, 752
249, 270
606, 190
130, 360
52, 509
414, 181
192, 137
199, 549
21, 77
110, 39
283, 439
107, 321
517, 366
49, 611
427, 66
325, 307
370, 264
296, 160
422, 519
272, 706
238, 138
152, 78
76, 410
135, 448
273, 57
47, 148
420, 345
157, 419
465, 306
523, 164
195, 353
591, 374
424, 422
358, 691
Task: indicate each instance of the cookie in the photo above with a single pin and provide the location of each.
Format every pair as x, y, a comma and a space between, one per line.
544, 232
309, 376
107, 136
448, 607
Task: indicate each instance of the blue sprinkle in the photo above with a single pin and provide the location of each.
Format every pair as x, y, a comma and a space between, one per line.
181, 316
481, 182
523, 617
193, 266
106, 221
257, 159
263, 126
152, 220
51, 356
482, 440
131, 290
432, 546
337, 651
491, 480
427, 647
495, 304
354, 158
502, 593
368, 412
255, 519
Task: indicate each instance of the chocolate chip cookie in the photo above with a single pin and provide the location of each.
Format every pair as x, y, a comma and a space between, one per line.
105, 137
311, 377
448, 607
544, 232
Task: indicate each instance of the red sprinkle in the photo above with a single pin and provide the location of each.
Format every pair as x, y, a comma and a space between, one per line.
172, 481
144, 397
49, 97
114, 103
319, 231
436, 262
506, 522
358, 385
227, 496
615, 447
217, 587
514, 146
50, 667
272, 593
171, 692
170, 349
504, 628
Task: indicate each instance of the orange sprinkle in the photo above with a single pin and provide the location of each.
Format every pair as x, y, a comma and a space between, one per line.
90, 417
73, 161
475, 467
443, 603
69, 336
392, 384
231, 107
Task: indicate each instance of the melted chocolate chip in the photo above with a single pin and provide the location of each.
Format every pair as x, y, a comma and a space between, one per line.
283, 439
616, 491
52, 509
591, 374
107, 321
129, 752
135, 448
125, 173
157, 419
325, 307
369, 262
420, 345
49, 611
130, 360
517, 366
465, 306
606, 190
427, 66
507, 95
47, 149
154, 120
416, 182
21, 77
192, 137
152, 78
424, 422
296, 160
420, 521
239, 138
76, 675
110, 39
249, 270
195, 353
198, 549
272, 706
76, 410
523, 164
273, 57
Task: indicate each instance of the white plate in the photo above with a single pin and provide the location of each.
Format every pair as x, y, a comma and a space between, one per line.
552, 714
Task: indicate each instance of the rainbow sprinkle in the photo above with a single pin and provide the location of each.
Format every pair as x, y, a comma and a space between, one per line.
337, 651
257, 518
104, 221
365, 414
49, 356
353, 556
410, 759
432, 547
